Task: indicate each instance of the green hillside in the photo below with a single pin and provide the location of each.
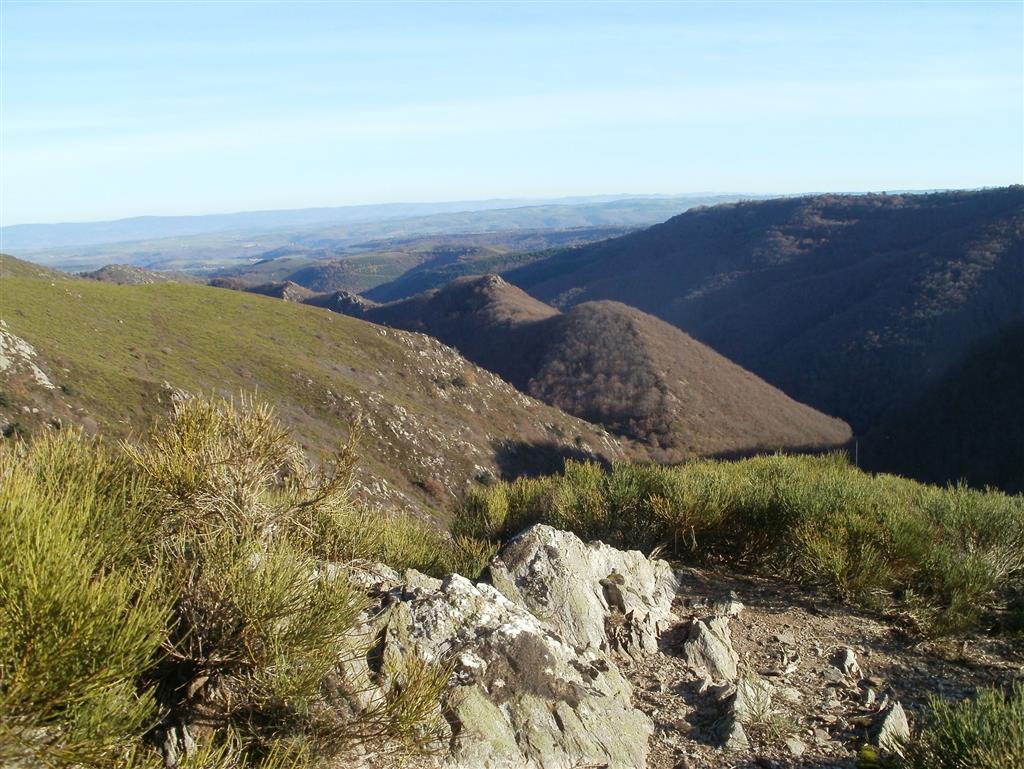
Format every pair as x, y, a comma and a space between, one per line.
431, 421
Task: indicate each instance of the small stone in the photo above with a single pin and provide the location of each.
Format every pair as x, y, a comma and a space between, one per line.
721, 692
868, 698
822, 737
832, 675
892, 730
846, 661
729, 606
734, 736
785, 638
705, 684
790, 695
795, 746
682, 726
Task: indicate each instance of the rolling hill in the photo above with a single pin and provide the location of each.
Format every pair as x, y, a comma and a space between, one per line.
397, 267
113, 357
852, 304
617, 366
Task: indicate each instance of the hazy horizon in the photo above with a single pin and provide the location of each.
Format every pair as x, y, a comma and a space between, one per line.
513, 202
114, 110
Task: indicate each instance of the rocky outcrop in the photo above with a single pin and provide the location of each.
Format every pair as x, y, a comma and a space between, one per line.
562, 661
592, 595
18, 356
535, 676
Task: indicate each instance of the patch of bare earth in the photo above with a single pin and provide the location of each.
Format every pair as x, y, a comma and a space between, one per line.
819, 709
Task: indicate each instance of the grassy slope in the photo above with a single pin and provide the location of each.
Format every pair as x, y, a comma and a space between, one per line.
430, 418
126, 274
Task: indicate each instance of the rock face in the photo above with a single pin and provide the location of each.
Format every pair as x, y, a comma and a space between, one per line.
18, 355
562, 662
535, 683
592, 595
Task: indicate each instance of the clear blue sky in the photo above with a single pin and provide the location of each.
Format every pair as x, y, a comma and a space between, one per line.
114, 110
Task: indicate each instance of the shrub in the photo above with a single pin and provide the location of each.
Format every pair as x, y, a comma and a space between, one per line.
79, 619
185, 591
817, 520
986, 732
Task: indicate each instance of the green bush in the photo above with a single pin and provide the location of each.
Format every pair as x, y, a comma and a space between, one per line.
189, 592
986, 732
79, 618
817, 520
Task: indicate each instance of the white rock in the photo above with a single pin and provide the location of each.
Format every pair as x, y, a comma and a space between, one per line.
795, 747
753, 700
846, 661
589, 594
709, 648
519, 696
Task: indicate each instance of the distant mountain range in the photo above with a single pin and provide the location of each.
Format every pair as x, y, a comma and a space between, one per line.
58, 235
227, 240
610, 364
408, 265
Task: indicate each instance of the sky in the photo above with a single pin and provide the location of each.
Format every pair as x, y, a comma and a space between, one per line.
110, 110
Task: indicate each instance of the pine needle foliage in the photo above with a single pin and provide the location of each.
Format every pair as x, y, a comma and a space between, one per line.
986, 732
79, 617
185, 600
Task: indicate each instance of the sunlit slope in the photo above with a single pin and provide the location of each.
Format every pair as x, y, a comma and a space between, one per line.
431, 420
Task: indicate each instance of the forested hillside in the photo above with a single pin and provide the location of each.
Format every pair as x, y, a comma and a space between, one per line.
853, 304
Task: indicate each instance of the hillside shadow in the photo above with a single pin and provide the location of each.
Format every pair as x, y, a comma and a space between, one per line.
517, 459
804, 450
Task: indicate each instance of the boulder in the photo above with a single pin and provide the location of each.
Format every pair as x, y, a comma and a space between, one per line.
590, 595
520, 696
